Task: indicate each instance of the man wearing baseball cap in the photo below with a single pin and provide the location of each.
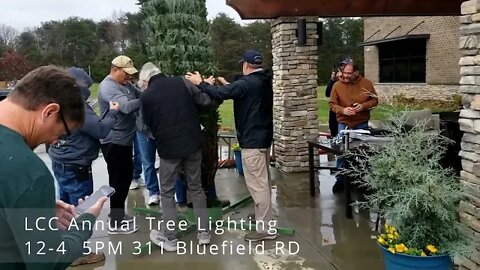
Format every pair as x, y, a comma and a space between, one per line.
124, 63
252, 57
117, 146
252, 96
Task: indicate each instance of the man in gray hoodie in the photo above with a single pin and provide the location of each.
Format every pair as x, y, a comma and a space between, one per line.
117, 146
72, 156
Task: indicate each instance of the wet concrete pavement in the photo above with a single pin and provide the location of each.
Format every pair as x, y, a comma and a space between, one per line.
324, 237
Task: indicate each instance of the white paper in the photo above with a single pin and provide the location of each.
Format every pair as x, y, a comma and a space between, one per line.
358, 131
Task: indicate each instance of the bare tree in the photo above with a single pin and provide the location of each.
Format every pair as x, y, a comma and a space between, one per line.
118, 30
8, 35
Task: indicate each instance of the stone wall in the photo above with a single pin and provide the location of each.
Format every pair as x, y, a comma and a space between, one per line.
295, 93
416, 90
470, 124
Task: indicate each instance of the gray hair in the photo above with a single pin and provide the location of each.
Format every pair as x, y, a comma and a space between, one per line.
148, 71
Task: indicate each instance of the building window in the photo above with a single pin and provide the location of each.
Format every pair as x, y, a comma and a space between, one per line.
403, 61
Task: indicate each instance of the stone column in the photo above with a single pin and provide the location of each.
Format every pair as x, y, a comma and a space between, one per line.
470, 124
295, 93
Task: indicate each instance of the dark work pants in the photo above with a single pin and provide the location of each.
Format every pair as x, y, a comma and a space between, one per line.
169, 169
119, 166
332, 123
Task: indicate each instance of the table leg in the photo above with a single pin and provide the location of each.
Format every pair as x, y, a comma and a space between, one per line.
348, 183
311, 170
229, 147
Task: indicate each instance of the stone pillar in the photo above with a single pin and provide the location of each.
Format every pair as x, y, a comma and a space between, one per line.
470, 124
295, 93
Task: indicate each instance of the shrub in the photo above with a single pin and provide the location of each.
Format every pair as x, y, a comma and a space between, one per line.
411, 190
452, 104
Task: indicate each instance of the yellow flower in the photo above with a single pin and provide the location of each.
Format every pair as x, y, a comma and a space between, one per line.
392, 250
397, 235
400, 248
423, 254
236, 147
390, 236
432, 248
381, 241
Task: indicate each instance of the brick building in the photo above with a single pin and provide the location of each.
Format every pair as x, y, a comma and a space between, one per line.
415, 56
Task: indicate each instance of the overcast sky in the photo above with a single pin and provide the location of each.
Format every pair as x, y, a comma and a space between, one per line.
30, 13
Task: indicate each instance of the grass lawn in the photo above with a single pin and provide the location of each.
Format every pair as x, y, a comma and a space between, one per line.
94, 89
226, 115
226, 109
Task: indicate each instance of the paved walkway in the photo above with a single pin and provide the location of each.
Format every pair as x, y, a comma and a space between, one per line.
324, 238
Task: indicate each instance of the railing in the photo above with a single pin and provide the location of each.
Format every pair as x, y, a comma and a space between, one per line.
227, 139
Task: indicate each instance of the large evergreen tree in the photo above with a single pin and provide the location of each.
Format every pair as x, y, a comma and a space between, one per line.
179, 41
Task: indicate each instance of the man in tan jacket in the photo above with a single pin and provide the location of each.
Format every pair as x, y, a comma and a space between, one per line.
352, 98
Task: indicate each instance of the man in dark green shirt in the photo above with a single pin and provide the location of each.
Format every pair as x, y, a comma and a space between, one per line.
34, 233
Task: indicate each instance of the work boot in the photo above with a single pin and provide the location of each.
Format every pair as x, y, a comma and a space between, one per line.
88, 259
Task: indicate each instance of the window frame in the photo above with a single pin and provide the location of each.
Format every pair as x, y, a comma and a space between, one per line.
412, 57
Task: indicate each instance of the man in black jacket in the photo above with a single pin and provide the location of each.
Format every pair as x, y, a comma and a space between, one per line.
252, 97
170, 110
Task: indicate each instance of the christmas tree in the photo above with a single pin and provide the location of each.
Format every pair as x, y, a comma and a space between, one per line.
179, 42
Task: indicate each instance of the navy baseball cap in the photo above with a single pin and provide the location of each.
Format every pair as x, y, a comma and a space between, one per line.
252, 57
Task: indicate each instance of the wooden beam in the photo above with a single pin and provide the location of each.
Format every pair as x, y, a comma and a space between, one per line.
271, 9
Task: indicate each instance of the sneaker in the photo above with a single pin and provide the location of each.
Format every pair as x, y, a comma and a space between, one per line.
256, 236
182, 208
134, 185
123, 228
88, 259
154, 200
159, 239
126, 218
140, 181
204, 238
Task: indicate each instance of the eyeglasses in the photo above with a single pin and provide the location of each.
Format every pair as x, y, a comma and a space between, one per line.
62, 118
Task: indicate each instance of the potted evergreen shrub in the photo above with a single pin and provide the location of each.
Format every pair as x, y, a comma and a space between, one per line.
417, 197
179, 42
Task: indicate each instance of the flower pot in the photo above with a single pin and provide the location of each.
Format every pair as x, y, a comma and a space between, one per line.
238, 162
400, 261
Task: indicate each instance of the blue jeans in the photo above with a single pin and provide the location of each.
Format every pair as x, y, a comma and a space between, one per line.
341, 161
71, 186
137, 158
147, 149
181, 191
